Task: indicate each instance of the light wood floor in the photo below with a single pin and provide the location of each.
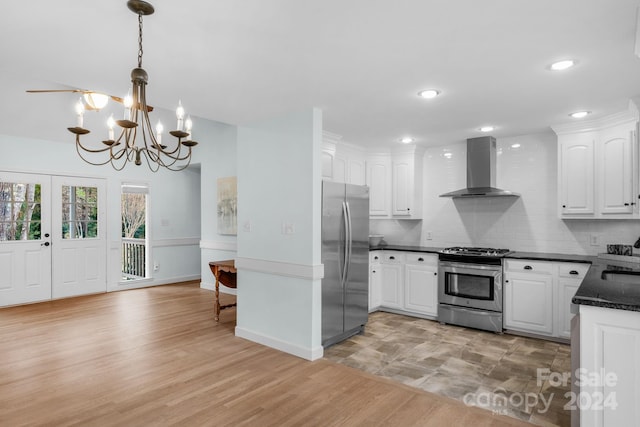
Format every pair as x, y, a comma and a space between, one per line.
155, 356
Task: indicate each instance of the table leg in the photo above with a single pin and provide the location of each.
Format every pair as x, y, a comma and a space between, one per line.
217, 301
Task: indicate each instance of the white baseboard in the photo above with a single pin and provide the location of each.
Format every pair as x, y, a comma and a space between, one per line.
287, 347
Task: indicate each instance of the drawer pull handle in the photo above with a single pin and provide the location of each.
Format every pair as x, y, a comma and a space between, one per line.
375, 257
420, 259
528, 267
392, 257
573, 272
435, 274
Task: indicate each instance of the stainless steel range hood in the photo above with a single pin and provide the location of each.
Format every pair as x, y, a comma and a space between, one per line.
481, 171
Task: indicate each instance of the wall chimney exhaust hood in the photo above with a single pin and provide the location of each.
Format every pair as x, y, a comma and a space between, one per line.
481, 171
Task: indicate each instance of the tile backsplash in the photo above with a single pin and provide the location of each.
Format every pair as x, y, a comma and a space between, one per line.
530, 223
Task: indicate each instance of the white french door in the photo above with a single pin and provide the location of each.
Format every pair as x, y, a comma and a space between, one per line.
52, 237
79, 246
25, 238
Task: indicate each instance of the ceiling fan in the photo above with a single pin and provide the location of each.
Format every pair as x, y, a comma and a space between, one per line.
93, 100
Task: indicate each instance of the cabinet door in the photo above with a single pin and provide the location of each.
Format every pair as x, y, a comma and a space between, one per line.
402, 187
421, 289
375, 281
616, 160
528, 302
379, 190
357, 172
392, 286
566, 290
577, 174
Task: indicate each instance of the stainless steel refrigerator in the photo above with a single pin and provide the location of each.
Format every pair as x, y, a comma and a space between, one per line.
345, 255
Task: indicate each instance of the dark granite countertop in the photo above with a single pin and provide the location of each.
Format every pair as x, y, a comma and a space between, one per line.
618, 294
594, 290
405, 248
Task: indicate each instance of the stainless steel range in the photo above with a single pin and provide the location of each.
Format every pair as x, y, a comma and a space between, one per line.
470, 287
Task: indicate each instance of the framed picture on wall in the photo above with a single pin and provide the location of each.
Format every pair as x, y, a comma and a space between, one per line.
228, 205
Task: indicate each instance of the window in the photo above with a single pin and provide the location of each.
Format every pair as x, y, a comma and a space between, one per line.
134, 231
79, 212
20, 209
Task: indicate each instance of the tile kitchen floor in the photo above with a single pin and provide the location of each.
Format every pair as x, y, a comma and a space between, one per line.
498, 372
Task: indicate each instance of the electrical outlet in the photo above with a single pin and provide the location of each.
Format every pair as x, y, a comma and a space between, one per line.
156, 266
428, 235
247, 226
594, 239
288, 228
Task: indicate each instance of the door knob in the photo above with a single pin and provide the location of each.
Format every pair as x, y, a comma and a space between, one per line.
45, 244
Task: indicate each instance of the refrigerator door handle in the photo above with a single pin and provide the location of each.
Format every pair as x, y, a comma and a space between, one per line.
349, 241
344, 242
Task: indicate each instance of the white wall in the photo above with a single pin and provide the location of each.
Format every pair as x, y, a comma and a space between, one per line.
528, 223
175, 216
218, 160
279, 274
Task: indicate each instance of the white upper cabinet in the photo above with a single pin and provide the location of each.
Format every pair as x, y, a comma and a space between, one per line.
342, 162
577, 174
395, 180
598, 168
617, 169
379, 182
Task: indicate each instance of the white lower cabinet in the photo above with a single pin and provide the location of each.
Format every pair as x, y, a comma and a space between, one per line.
421, 284
537, 296
570, 275
408, 283
528, 297
392, 294
610, 373
375, 280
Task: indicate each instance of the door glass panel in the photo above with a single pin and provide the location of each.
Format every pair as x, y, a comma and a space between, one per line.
469, 286
79, 212
20, 210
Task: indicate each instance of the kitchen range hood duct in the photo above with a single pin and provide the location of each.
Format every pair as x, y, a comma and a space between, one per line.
481, 171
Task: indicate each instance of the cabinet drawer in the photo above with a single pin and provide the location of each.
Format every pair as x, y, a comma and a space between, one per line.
375, 257
528, 266
390, 257
419, 258
573, 270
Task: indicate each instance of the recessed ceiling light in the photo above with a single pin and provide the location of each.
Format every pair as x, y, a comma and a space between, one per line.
486, 128
580, 114
429, 93
562, 65
516, 145
406, 140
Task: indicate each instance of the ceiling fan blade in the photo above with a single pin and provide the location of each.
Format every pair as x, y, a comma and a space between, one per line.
121, 101
57, 90
83, 91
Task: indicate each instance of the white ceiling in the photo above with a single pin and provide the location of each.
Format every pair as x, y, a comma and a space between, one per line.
361, 61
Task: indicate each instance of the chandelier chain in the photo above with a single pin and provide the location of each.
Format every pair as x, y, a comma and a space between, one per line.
139, 40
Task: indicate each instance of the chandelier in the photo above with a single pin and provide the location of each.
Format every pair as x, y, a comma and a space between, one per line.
136, 139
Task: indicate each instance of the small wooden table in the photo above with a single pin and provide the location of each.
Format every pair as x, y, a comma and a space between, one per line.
225, 273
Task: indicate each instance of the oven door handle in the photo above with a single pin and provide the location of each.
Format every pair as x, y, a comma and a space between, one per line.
475, 311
